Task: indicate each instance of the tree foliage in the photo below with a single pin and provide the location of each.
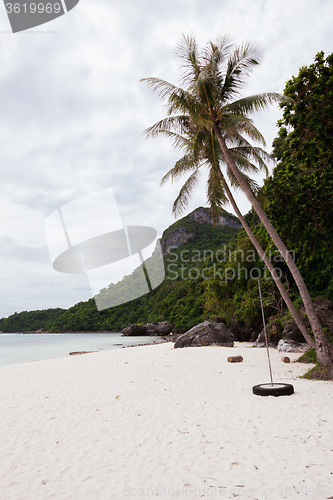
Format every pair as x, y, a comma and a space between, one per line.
30, 321
300, 190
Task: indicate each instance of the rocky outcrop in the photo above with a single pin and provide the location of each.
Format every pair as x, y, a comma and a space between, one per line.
202, 215
134, 330
242, 332
175, 239
155, 328
261, 341
324, 310
179, 235
286, 345
292, 332
158, 328
205, 334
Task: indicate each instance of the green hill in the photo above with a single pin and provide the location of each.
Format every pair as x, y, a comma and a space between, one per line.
188, 246
30, 321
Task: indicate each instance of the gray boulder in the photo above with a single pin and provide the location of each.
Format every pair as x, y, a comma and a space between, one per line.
286, 345
242, 332
158, 328
134, 330
292, 332
155, 328
205, 334
324, 310
261, 341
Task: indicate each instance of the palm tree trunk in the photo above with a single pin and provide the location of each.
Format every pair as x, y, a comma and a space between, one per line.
270, 267
324, 349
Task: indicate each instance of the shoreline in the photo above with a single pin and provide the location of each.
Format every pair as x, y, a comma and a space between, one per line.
177, 423
18, 349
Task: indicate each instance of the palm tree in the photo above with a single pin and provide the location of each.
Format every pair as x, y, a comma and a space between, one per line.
204, 150
210, 105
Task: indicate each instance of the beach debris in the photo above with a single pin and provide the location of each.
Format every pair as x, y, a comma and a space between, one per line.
75, 353
205, 334
285, 359
235, 359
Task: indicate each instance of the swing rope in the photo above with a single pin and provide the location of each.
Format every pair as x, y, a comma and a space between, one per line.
265, 332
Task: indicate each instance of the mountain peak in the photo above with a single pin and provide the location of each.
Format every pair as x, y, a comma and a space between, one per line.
203, 214
189, 226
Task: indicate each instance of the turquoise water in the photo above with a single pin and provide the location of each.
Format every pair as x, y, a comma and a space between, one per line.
20, 348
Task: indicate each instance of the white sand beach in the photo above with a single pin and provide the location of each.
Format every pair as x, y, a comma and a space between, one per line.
154, 422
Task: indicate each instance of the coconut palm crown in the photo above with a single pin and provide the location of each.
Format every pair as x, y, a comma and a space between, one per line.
212, 79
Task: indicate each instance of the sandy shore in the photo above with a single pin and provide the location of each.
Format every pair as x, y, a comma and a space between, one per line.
154, 422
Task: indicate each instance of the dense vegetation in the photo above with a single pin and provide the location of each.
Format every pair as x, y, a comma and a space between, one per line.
30, 321
299, 193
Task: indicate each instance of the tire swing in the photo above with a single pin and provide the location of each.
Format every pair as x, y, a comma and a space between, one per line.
271, 389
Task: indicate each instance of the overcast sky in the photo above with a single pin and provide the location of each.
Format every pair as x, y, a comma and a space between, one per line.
73, 111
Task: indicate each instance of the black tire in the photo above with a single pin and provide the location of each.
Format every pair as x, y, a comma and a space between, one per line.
273, 390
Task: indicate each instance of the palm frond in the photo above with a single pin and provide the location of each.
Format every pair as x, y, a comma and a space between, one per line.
252, 154
181, 167
178, 140
216, 196
188, 54
176, 124
249, 181
237, 124
218, 51
254, 103
243, 163
240, 64
162, 87
184, 195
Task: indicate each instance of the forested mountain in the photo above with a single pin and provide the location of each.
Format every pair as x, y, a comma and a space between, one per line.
27, 321
187, 246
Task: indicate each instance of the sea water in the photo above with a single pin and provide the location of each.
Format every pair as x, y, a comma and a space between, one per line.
23, 347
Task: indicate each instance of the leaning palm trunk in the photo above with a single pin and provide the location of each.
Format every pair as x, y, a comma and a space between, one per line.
270, 267
324, 349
